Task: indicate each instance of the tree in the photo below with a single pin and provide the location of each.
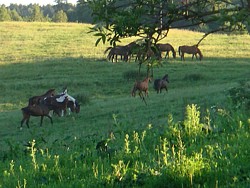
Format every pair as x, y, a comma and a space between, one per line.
152, 20
83, 12
4, 14
60, 16
15, 16
37, 15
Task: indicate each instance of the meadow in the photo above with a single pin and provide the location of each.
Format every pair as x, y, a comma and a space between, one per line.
194, 135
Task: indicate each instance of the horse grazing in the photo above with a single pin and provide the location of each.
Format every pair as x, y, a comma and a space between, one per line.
160, 84
166, 48
194, 50
123, 51
58, 105
38, 99
74, 107
141, 86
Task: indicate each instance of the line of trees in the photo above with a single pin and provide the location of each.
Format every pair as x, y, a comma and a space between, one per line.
61, 12
188, 14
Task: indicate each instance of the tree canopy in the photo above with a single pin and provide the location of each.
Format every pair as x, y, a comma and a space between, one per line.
116, 19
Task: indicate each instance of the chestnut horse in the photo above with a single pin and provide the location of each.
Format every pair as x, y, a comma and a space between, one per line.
166, 48
141, 86
194, 50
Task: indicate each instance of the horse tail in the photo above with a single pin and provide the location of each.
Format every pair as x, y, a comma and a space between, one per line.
108, 48
179, 50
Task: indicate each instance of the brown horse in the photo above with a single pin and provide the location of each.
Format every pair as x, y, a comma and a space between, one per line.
160, 84
35, 110
152, 52
42, 110
38, 99
166, 48
72, 107
58, 103
194, 50
123, 51
141, 86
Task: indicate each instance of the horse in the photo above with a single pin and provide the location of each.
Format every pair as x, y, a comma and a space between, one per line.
166, 48
42, 109
38, 99
72, 104
160, 84
123, 51
73, 107
194, 50
58, 107
149, 54
141, 86
35, 110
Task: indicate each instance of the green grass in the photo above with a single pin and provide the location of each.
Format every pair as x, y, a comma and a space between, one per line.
38, 56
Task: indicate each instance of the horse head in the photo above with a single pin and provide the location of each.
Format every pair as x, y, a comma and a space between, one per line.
165, 78
174, 54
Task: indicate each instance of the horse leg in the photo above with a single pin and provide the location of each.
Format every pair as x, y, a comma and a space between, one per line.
25, 118
142, 97
166, 89
51, 121
116, 58
27, 122
167, 54
41, 123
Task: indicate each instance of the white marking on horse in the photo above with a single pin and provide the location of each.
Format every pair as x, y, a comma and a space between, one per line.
65, 94
61, 98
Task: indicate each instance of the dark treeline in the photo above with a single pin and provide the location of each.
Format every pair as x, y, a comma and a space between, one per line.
61, 12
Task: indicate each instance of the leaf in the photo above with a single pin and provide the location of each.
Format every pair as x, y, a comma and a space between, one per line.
103, 39
97, 41
98, 34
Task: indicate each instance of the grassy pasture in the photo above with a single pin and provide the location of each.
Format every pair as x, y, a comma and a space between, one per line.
37, 56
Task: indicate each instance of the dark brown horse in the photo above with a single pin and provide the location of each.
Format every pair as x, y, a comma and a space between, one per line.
141, 86
72, 107
166, 48
42, 109
58, 103
38, 99
123, 51
194, 50
160, 84
35, 110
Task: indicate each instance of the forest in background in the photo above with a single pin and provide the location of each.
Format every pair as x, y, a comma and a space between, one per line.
62, 11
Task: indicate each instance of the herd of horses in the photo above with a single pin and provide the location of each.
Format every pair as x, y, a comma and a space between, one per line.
43, 105
133, 49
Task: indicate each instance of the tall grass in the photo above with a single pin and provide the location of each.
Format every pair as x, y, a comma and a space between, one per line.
194, 135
